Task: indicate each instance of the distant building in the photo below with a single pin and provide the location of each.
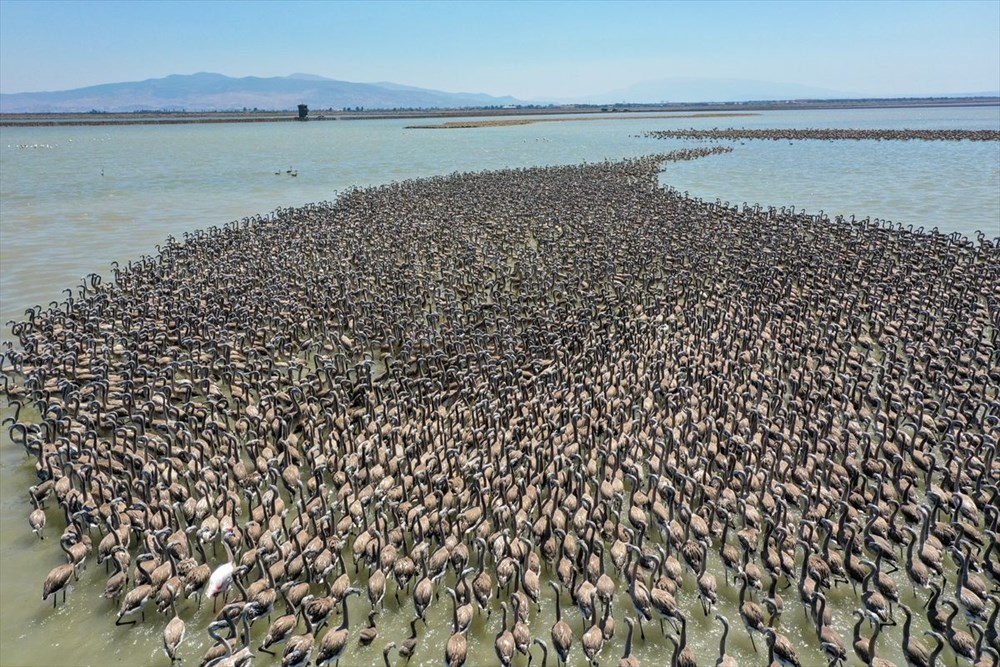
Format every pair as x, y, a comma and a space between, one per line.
303, 111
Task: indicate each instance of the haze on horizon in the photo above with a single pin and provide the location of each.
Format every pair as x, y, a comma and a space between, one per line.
530, 50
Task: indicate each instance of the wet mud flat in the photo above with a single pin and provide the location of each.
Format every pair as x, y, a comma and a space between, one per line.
527, 386
506, 122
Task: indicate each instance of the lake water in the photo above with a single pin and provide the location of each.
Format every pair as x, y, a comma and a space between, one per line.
72, 200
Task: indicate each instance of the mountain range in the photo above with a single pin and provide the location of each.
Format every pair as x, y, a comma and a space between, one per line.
216, 92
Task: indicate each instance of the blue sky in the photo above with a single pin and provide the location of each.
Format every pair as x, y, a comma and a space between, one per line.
531, 50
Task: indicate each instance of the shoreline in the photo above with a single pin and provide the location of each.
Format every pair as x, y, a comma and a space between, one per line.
86, 119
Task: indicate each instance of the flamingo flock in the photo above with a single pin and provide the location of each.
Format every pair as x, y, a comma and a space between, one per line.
563, 404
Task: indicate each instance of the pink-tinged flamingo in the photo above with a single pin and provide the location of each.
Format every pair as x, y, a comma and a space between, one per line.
222, 577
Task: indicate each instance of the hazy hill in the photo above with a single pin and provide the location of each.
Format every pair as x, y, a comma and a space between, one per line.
216, 92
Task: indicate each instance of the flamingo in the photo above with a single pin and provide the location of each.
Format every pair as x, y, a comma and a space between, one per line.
222, 576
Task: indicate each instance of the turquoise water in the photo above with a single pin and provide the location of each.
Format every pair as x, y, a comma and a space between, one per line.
72, 200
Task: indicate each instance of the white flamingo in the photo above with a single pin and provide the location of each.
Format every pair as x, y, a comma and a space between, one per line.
222, 576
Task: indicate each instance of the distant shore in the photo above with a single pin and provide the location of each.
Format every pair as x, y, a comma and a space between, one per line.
729, 108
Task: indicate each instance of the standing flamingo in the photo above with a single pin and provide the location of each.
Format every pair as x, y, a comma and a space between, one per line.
222, 576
